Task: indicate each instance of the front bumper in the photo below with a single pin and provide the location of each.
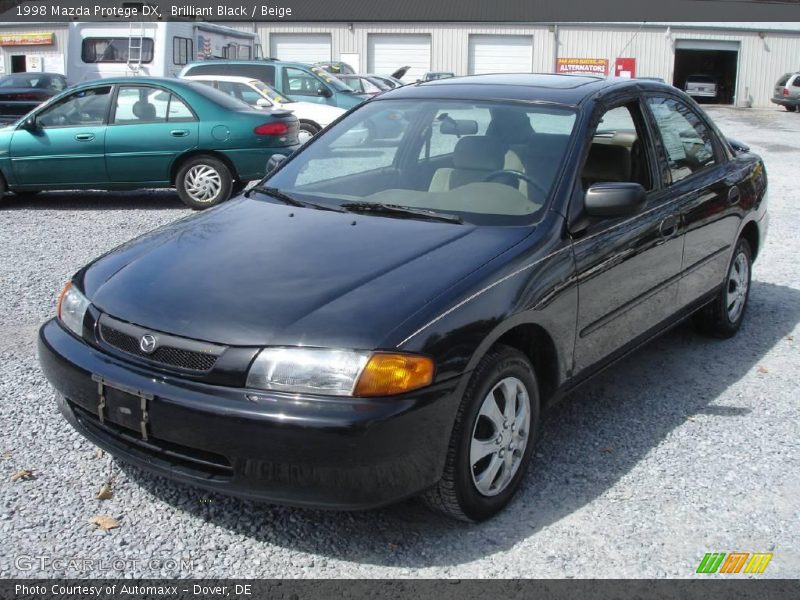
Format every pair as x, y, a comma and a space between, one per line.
341, 453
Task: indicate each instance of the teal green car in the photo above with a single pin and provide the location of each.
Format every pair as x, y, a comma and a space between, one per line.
129, 133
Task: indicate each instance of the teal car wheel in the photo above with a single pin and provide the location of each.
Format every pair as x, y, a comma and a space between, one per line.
204, 181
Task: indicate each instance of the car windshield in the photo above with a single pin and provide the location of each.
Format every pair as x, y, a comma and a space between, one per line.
486, 163
270, 92
332, 81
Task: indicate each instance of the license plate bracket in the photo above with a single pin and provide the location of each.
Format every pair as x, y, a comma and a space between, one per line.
123, 405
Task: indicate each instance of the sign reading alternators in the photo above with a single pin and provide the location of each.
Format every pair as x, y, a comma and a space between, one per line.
591, 66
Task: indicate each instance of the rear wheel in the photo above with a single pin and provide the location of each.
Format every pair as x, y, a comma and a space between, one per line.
204, 181
307, 131
493, 438
791, 108
723, 317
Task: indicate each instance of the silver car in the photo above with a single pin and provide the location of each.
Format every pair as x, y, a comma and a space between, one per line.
787, 91
701, 86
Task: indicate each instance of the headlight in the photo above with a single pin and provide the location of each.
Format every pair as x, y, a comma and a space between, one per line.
72, 306
338, 372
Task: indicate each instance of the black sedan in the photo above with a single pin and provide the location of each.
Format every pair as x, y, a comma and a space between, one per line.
20, 93
383, 319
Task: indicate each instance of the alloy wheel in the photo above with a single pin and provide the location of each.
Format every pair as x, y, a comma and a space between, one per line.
736, 289
500, 436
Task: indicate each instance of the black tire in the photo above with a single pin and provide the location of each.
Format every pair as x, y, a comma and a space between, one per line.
3, 187
715, 319
311, 129
457, 495
27, 193
216, 170
238, 187
789, 108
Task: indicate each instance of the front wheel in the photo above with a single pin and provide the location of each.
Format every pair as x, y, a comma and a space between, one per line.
724, 315
495, 432
204, 181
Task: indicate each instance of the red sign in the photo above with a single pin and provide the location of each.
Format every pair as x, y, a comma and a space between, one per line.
625, 67
583, 66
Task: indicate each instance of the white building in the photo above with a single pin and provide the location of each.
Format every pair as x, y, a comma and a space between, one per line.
747, 58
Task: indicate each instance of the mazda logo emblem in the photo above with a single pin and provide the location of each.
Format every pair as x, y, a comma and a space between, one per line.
148, 343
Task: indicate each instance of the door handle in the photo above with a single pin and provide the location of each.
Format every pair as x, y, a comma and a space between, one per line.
733, 195
179, 132
668, 227
84, 137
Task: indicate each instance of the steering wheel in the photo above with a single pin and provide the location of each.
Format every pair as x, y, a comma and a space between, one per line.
519, 175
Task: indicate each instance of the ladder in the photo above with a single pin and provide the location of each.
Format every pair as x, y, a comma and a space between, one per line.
135, 46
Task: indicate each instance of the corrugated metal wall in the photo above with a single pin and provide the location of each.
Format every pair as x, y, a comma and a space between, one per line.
763, 56
59, 46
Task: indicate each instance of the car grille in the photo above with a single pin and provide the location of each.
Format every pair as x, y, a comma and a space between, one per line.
173, 352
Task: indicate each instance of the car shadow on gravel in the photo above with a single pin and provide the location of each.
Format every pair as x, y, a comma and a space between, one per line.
150, 199
589, 442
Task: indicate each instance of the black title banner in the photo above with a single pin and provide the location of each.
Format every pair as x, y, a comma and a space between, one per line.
410, 10
399, 589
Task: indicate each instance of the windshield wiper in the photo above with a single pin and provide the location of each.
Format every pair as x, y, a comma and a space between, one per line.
287, 199
400, 211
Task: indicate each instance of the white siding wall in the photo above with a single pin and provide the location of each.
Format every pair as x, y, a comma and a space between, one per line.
761, 60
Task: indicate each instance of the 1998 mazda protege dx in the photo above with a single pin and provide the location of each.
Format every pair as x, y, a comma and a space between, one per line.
382, 318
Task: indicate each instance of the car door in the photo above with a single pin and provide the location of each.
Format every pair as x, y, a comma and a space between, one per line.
64, 143
704, 184
150, 126
627, 267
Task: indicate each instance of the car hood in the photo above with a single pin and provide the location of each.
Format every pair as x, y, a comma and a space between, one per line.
254, 273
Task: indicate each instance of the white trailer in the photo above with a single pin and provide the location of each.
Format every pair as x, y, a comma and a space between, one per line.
155, 49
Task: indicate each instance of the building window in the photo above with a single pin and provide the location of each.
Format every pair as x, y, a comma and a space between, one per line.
117, 50
182, 50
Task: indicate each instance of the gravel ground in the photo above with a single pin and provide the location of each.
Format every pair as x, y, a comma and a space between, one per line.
689, 447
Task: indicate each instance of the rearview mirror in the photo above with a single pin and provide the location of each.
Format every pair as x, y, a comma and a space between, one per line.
324, 92
458, 127
614, 199
274, 161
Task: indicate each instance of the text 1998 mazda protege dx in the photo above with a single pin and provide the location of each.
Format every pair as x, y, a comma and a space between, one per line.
382, 318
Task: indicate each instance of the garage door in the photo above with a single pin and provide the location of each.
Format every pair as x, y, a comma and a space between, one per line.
500, 54
706, 45
387, 53
300, 47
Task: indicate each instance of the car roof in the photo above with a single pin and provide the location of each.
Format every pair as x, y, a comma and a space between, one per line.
241, 61
546, 87
233, 78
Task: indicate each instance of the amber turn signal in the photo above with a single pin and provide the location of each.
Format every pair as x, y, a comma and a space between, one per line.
61, 298
386, 374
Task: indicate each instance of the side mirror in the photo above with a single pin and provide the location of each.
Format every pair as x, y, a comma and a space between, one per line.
29, 124
324, 92
263, 103
274, 161
614, 199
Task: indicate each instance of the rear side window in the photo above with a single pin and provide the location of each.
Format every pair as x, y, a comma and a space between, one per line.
796, 82
784, 78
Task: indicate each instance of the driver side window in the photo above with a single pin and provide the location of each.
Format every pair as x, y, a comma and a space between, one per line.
86, 107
